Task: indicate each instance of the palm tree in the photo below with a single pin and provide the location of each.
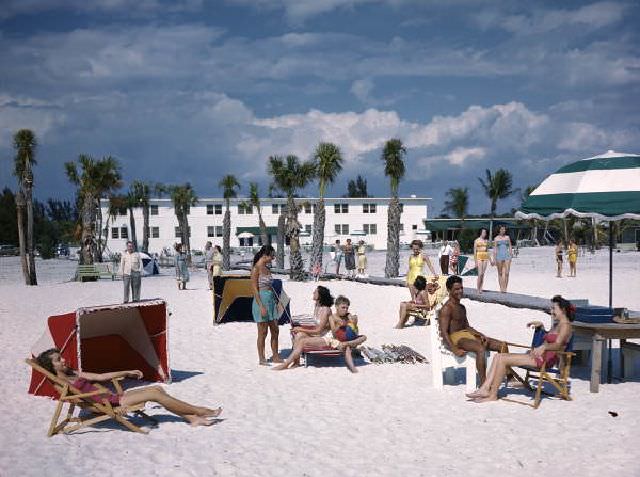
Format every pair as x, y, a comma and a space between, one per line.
254, 201
393, 157
458, 202
24, 142
289, 175
230, 186
496, 186
328, 163
97, 179
117, 206
141, 193
183, 198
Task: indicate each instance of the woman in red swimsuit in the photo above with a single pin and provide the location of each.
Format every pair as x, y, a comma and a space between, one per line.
194, 415
556, 339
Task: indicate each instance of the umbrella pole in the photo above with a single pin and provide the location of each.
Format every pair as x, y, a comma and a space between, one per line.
609, 364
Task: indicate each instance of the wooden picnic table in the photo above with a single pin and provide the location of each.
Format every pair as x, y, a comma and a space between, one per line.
599, 334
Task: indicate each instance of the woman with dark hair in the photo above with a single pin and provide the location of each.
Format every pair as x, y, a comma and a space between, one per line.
321, 313
264, 306
52, 361
481, 257
556, 339
502, 254
420, 302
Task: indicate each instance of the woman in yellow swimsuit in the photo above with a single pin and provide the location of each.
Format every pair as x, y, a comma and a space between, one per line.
481, 257
416, 264
572, 254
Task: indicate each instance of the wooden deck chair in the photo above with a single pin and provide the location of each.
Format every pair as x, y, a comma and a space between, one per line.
557, 376
308, 321
73, 397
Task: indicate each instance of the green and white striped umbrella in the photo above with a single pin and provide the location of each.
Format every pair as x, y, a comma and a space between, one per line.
605, 187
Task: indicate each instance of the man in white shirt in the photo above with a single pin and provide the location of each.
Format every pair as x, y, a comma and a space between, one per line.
131, 271
443, 254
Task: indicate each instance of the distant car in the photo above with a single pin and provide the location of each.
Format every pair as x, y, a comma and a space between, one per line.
62, 250
9, 251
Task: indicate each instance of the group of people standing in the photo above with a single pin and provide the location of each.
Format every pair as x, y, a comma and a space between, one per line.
572, 256
500, 257
355, 257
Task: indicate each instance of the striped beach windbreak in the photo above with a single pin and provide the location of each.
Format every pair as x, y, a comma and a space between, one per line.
605, 187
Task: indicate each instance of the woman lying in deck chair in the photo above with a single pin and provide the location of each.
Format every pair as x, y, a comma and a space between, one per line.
52, 361
344, 336
419, 306
562, 313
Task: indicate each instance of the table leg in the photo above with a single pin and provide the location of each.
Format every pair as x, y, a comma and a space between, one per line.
609, 361
596, 362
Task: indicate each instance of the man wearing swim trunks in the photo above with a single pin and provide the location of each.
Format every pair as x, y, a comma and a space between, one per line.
458, 334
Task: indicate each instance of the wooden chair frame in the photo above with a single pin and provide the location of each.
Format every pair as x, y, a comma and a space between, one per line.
73, 397
558, 377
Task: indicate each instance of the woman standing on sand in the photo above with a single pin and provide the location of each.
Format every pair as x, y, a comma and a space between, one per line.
502, 253
264, 306
349, 258
52, 361
182, 270
481, 257
416, 264
572, 255
558, 252
555, 340
362, 258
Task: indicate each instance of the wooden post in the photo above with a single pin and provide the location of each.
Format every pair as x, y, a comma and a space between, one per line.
596, 362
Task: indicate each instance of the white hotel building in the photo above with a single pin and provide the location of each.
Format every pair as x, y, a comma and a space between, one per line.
355, 218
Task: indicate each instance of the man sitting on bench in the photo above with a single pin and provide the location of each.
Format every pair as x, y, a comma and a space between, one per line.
344, 336
457, 333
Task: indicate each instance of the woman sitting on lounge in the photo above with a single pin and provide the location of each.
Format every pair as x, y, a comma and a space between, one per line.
52, 361
556, 339
344, 336
321, 313
420, 301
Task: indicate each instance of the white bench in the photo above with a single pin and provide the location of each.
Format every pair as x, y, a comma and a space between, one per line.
444, 362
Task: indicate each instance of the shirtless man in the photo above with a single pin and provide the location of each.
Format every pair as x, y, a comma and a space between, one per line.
458, 335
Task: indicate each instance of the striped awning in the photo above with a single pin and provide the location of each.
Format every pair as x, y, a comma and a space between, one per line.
605, 187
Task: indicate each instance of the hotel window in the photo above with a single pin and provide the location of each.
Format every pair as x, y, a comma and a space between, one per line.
218, 230
245, 209
153, 209
414, 227
115, 232
368, 208
307, 208
274, 208
211, 231
341, 208
342, 229
370, 229
124, 232
105, 232
307, 228
217, 209
209, 209
155, 232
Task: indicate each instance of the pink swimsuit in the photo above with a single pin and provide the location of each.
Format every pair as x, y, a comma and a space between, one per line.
85, 386
549, 357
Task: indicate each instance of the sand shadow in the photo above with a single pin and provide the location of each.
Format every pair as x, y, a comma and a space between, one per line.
178, 376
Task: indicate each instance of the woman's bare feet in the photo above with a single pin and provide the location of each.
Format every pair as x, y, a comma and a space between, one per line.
490, 397
206, 412
281, 367
276, 359
478, 393
198, 420
263, 362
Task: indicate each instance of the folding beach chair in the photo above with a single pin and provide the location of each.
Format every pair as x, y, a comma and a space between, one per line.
557, 376
100, 412
307, 321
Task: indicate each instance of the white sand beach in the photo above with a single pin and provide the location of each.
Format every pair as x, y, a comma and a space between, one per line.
322, 420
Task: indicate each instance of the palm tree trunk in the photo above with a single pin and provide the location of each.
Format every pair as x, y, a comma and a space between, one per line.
20, 206
132, 226
30, 246
264, 236
187, 236
296, 270
494, 206
226, 239
318, 235
280, 241
87, 239
145, 228
392, 265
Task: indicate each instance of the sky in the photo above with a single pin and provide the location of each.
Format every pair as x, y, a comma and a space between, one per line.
191, 90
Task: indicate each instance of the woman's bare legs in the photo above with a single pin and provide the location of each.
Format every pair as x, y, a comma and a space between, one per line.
482, 268
489, 390
275, 332
500, 266
403, 314
195, 415
347, 346
559, 269
300, 335
507, 271
297, 350
263, 328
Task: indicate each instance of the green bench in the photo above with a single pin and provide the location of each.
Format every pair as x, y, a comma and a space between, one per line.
92, 273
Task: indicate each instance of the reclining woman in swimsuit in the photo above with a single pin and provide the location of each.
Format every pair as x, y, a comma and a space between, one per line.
344, 336
419, 302
52, 361
562, 312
